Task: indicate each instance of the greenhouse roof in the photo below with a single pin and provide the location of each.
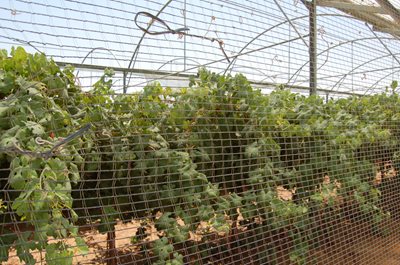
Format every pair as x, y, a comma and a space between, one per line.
383, 15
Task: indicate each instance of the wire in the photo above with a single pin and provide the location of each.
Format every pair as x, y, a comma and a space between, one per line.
154, 18
47, 154
136, 52
180, 31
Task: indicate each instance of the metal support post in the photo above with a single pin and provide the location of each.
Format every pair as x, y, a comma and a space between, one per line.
312, 48
124, 86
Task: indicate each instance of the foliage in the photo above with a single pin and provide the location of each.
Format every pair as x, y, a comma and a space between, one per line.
38, 98
214, 158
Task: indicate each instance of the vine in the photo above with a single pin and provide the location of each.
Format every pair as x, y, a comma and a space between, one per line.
205, 166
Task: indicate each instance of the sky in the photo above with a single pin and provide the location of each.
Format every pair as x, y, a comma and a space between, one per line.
269, 48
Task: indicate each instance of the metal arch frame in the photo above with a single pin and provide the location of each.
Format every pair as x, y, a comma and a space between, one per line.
177, 59
344, 76
349, 7
372, 87
333, 47
313, 74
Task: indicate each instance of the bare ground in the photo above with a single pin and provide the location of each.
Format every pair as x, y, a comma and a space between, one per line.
351, 245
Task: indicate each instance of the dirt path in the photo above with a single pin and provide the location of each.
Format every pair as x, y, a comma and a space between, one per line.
355, 246
352, 246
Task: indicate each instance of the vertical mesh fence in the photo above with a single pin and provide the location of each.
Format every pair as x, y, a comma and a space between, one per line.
199, 132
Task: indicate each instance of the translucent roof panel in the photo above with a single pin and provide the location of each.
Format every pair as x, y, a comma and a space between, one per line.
383, 15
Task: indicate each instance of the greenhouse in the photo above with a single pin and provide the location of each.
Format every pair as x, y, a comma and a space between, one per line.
200, 132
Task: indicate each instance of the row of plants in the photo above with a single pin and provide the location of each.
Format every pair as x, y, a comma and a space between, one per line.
211, 165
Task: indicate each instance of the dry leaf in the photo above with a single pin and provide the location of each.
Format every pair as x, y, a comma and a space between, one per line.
158, 215
194, 236
339, 200
326, 180
242, 228
219, 233
330, 194
238, 220
378, 178
337, 184
387, 165
228, 219
240, 216
179, 221
258, 220
203, 226
284, 194
152, 233
391, 173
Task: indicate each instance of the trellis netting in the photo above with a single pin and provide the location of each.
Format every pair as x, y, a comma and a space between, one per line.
196, 132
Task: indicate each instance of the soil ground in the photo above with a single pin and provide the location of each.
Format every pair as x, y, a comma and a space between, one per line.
352, 245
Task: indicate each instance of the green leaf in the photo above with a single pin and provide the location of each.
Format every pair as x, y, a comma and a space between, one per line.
394, 84
36, 128
252, 150
7, 83
177, 260
19, 54
212, 190
56, 254
16, 180
179, 234
162, 248
22, 245
165, 221
7, 238
220, 224
205, 212
108, 219
4, 250
83, 248
74, 173
223, 204
317, 197
236, 200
